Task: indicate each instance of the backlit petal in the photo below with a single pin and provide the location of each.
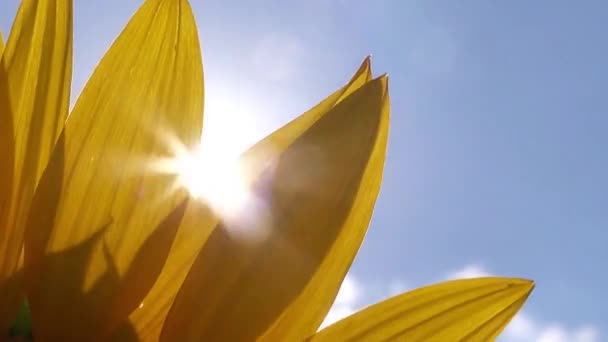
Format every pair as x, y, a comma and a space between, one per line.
148, 319
147, 87
316, 180
461, 310
198, 223
35, 76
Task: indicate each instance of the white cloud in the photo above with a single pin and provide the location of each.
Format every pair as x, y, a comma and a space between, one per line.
521, 326
396, 287
336, 313
553, 333
524, 328
587, 334
469, 271
346, 302
353, 296
349, 292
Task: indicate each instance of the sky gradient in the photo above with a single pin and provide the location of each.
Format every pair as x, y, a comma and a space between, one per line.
497, 157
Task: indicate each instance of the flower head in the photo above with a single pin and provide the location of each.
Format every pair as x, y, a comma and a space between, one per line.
114, 227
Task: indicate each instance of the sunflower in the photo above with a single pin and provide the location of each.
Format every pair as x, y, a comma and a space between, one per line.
104, 237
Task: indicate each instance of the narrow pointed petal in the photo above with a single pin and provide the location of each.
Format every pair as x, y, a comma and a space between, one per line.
198, 223
148, 86
306, 313
362, 76
35, 79
317, 180
268, 148
461, 310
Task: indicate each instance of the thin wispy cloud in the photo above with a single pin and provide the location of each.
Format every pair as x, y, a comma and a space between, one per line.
346, 302
469, 271
397, 286
524, 328
354, 296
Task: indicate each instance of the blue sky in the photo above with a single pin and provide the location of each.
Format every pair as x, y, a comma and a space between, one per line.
497, 157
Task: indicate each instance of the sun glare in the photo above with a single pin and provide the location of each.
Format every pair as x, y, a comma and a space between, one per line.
216, 178
212, 176
211, 171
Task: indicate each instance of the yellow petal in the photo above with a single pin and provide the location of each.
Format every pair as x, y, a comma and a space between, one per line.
198, 223
317, 180
1, 44
35, 78
461, 310
148, 319
148, 87
9, 284
267, 148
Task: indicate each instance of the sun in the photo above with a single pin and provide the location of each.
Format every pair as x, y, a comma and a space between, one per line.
212, 171
214, 177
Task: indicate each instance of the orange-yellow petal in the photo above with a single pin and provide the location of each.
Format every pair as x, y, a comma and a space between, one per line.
198, 223
148, 319
460, 310
35, 75
147, 90
316, 181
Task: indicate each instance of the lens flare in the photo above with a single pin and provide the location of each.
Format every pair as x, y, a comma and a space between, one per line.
218, 180
221, 182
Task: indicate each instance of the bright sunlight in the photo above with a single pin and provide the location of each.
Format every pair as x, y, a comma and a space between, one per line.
214, 177
211, 172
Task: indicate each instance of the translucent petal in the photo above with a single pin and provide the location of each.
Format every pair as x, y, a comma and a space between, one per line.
198, 223
35, 75
147, 87
149, 317
461, 310
316, 182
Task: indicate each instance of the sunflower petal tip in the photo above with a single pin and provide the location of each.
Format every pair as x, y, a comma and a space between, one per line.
526, 285
365, 68
384, 80
515, 280
531, 284
524, 281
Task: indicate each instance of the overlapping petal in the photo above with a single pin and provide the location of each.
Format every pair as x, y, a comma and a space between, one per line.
461, 310
199, 222
104, 258
97, 199
35, 75
317, 179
